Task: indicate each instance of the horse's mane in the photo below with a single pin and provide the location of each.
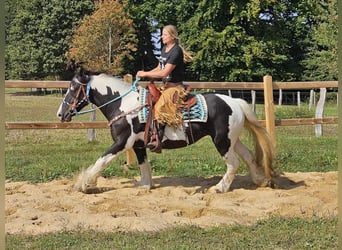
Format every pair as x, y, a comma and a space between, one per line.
117, 79
84, 76
105, 80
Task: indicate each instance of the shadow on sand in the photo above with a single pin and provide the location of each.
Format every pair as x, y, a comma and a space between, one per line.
204, 183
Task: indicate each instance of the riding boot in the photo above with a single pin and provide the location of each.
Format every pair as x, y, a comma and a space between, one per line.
155, 144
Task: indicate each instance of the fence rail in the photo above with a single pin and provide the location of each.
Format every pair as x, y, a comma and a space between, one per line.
194, 85
98, 124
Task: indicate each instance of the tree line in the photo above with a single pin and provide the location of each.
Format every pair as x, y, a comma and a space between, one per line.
230, 40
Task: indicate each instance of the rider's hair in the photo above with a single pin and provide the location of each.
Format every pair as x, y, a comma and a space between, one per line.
172, 30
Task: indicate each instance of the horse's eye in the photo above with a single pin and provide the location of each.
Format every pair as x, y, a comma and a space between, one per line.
73, 86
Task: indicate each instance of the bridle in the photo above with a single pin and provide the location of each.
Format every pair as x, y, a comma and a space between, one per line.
84, 89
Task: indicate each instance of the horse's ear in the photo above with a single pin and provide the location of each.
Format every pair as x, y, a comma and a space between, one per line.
78, 68
81, 71
84, 75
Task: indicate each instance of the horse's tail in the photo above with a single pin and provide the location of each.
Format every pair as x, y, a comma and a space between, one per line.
264, 148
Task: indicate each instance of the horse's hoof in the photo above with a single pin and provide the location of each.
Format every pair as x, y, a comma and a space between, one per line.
76, 189
147, 187
214, 190
79, 188
84, 188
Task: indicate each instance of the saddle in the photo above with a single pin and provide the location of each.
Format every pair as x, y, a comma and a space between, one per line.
153, 96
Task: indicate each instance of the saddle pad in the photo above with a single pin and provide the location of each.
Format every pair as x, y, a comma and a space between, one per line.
198, 112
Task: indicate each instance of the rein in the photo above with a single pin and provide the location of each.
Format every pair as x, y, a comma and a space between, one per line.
133, 88
123, 114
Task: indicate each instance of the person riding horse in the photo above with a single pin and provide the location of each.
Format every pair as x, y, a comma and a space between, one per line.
168, 109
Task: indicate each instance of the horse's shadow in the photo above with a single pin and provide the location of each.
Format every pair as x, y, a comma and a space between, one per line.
240, 182
204, 183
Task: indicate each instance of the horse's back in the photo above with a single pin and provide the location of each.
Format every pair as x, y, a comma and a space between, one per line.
225, 105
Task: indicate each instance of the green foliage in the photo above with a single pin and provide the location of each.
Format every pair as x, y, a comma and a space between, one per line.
37, 36
235, 41
274, 233
321, 60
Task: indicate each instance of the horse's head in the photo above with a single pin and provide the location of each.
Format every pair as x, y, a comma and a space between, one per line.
75, 98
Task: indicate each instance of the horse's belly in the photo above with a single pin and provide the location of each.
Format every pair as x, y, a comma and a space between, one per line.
167, 144
174, 134
174, 138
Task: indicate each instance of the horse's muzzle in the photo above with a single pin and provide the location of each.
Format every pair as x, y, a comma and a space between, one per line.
66, 117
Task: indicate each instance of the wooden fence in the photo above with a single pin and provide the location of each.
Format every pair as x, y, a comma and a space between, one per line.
268, 87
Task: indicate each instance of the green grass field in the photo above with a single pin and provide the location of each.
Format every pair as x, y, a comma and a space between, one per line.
45, 155
276, 233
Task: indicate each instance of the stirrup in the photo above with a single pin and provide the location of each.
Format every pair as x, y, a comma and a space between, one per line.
154, 146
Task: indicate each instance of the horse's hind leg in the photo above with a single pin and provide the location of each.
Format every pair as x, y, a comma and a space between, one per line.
145, 167
256, 172
233, 164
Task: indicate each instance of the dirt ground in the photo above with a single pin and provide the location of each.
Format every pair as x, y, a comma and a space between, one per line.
120, 205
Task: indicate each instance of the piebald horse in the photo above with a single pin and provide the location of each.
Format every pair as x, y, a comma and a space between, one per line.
119, 102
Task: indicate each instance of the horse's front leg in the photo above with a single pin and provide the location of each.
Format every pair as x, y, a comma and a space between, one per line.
87, 179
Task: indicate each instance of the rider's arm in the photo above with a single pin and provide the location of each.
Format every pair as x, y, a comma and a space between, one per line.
157, 72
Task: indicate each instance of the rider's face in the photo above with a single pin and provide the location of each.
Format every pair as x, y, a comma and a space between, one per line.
166, 37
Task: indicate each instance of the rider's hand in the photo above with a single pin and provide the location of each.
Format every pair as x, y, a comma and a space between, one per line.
141, 73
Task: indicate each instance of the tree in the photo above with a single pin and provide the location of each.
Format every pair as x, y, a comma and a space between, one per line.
321, 60
38, 34
105, 40
244, 40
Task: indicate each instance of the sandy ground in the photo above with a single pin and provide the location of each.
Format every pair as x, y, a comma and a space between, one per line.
119, 205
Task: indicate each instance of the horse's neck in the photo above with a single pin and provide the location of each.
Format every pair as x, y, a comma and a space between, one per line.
123, 97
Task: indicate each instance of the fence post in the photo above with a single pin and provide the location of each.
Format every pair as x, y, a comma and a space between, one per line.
269, 108
280, 100
253, 94
91, 131
319, 111
130, 156
312, 99
298, 99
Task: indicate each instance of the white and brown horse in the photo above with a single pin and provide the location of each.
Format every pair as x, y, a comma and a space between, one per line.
119, 102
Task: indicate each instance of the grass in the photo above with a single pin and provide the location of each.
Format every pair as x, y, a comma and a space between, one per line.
45, 155
275, 233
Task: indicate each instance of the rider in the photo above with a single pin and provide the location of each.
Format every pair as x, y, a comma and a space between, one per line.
167, 110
